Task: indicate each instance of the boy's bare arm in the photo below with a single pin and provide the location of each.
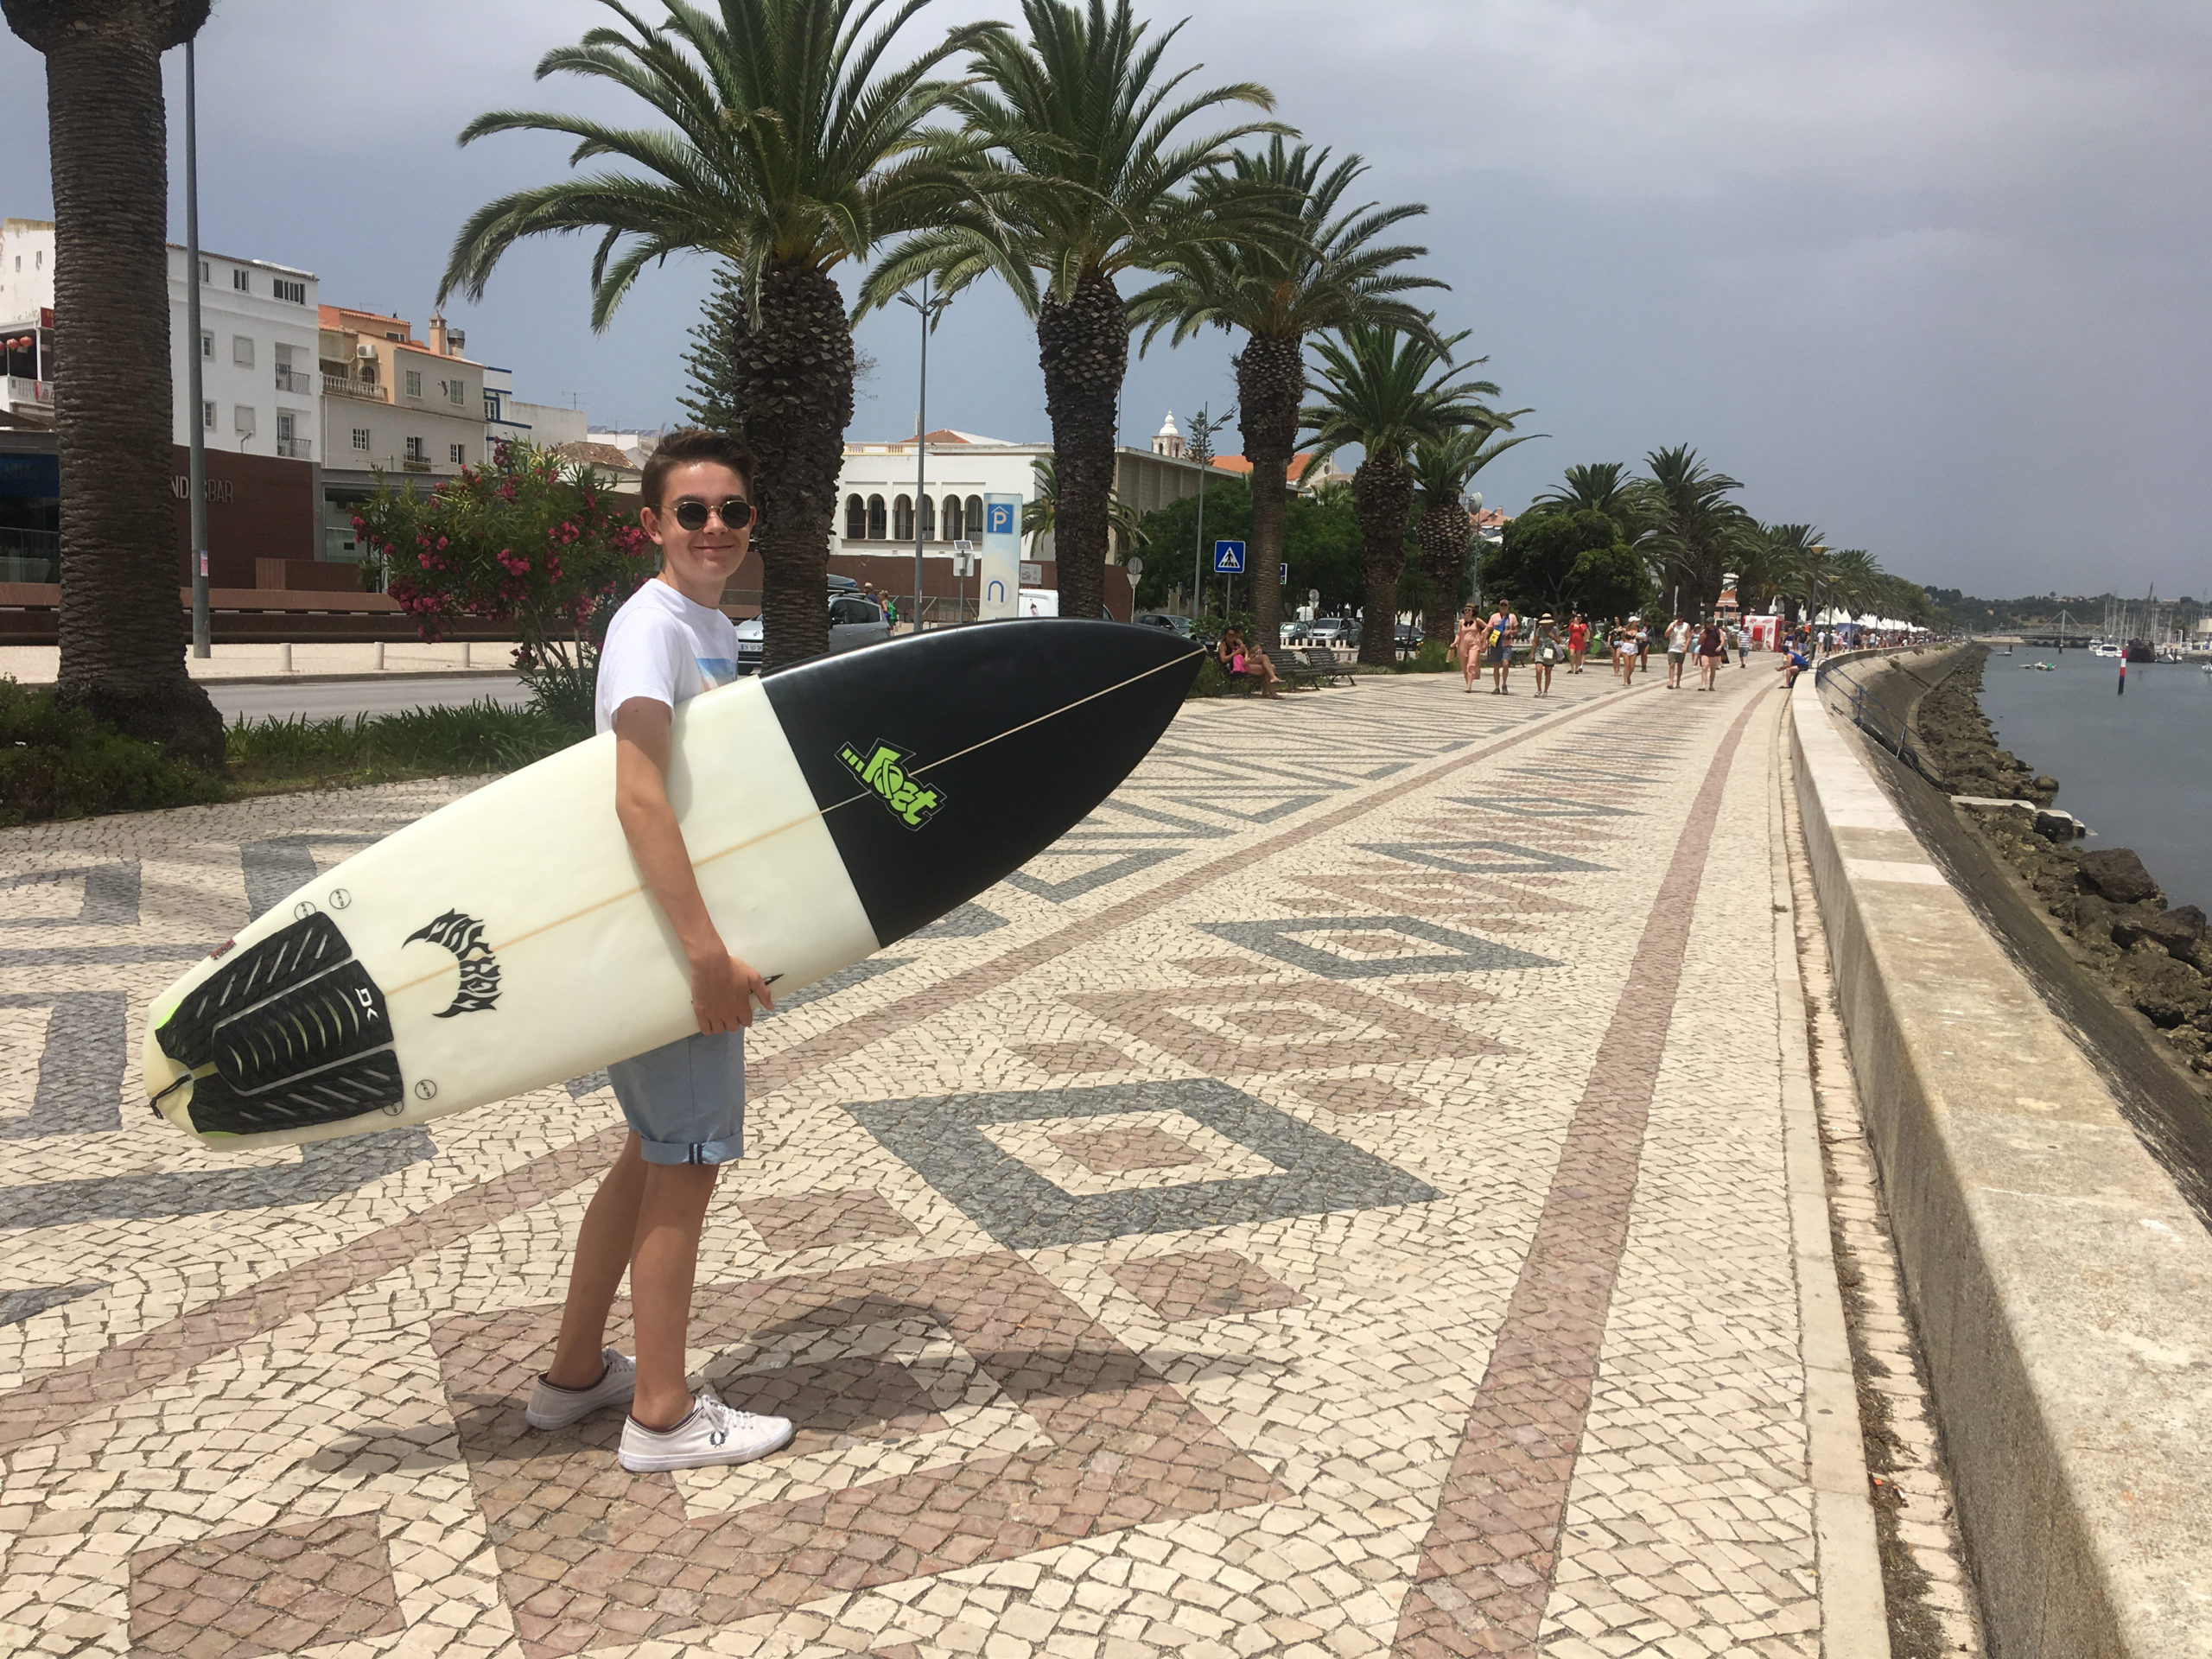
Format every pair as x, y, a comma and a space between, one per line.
723, 988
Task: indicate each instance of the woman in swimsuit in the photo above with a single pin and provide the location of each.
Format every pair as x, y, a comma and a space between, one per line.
1244, 663
1544, 651
1467, 647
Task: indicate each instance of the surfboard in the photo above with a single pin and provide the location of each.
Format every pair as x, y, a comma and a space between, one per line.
505, 941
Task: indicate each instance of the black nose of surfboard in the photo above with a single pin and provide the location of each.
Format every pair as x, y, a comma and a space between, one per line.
944, 761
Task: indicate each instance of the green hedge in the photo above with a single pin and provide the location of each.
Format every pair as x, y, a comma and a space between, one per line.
61, 763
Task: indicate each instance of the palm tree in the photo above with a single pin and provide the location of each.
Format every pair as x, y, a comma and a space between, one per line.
1040, 514
1789, 560
1087, 176
1321, 267
1387, 391
1443, 467
1597, 487
1693, 530
791, 149
122, 633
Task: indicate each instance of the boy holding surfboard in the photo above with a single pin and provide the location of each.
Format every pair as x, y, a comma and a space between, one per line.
685, 1103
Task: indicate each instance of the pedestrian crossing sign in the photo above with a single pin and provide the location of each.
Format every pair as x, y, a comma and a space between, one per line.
1229, 558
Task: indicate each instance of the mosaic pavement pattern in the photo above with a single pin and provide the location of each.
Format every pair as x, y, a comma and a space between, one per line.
1331, 1203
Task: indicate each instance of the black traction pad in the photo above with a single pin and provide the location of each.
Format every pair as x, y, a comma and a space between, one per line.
297, 1032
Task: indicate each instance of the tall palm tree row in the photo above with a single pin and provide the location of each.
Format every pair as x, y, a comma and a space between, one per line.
1443, 468
1318, 266
792, 147
123, 634
1087, 172
1599, 486
1386, 393
1693, 530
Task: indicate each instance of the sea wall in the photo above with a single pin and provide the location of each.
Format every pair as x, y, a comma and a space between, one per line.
2061, 1286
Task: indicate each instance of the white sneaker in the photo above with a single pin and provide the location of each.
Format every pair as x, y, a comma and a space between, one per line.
557, 1407
711, 1432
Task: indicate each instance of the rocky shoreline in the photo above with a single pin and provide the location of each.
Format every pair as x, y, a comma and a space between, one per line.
2155, 957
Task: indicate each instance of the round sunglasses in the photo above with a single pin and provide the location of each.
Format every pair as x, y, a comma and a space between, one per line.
736, 513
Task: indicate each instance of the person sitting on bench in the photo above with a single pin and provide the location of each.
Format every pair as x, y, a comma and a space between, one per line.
1246, 663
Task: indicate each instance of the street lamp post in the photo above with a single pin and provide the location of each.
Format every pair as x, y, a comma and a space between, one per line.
1201, 448
929, 310
201, 646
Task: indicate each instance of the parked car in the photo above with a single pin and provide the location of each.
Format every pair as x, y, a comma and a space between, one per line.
1408, 637
1332, 631
1175, 624
853, 621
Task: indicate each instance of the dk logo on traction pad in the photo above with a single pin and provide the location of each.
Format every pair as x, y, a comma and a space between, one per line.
883, 768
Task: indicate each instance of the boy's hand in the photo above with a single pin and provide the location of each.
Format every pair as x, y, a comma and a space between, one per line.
723, 989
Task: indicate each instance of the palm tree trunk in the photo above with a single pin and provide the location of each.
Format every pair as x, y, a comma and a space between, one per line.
1383, 494
795, 368
1443, 534
1084, 345
123, 632
1270, 389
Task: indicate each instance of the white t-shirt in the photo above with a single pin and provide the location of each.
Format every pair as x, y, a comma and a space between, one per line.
1678, 637
661, 645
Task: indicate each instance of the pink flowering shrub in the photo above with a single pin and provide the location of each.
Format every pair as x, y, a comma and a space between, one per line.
531, 541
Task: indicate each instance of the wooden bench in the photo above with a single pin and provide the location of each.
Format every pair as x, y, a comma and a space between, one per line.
1312, 665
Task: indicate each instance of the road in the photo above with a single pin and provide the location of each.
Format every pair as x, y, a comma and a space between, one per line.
322, 699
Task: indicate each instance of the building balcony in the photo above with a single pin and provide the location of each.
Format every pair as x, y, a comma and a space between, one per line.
296, 448
18, 391
415, 464
339, 386
292, 380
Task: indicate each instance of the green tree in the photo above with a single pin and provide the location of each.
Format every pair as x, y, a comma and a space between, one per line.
1601, 486
1321, 543
1040, 514
714, 385
1088, 176
1320, 266
790, 149
1693, 531
1564, 562
1386, 392
123, 634
1443, 468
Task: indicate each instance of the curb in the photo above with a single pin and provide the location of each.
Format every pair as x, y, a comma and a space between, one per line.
2061, 1286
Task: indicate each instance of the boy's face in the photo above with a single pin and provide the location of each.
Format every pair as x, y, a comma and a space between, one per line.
711, 554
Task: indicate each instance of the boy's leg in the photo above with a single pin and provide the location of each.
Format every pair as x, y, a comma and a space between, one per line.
671, 1214
603, 1247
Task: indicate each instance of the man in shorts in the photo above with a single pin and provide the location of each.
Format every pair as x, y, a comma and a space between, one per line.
1678, 652
685, 1103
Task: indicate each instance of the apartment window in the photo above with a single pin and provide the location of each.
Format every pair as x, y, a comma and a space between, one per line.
457, 391
207, 417
242, 350
361, 439
293, 293
208, 346
242, 419
206, 274
414, 383
855, 519
415, 450
457, 453
242, 281
902, 520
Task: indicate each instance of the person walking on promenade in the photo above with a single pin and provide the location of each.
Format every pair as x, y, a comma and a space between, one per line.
1678, 651
1544, 651
1578, 643
1709, 655
1501, 650
1467, 647
1624, 643
685, 1103
1740, 637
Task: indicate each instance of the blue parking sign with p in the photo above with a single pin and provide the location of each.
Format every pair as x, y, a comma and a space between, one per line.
1229, 558
998, 520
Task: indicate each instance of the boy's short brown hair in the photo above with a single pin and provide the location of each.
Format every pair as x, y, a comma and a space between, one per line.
688, 444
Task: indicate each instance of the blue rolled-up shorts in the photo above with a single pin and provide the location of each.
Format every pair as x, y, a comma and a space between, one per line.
686, 1101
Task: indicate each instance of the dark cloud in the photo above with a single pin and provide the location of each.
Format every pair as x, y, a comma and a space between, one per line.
1928, 274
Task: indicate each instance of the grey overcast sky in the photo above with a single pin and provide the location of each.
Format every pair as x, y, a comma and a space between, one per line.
1929, 274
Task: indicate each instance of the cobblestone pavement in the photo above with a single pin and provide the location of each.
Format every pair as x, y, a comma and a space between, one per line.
1332, 1203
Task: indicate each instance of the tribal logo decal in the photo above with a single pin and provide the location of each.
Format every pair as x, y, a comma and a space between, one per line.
882, 767
479, 968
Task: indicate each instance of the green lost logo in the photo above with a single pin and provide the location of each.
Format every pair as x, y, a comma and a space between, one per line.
882, 767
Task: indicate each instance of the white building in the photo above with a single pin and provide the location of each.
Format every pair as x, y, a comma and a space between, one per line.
508, 419
259, 393
877, 494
